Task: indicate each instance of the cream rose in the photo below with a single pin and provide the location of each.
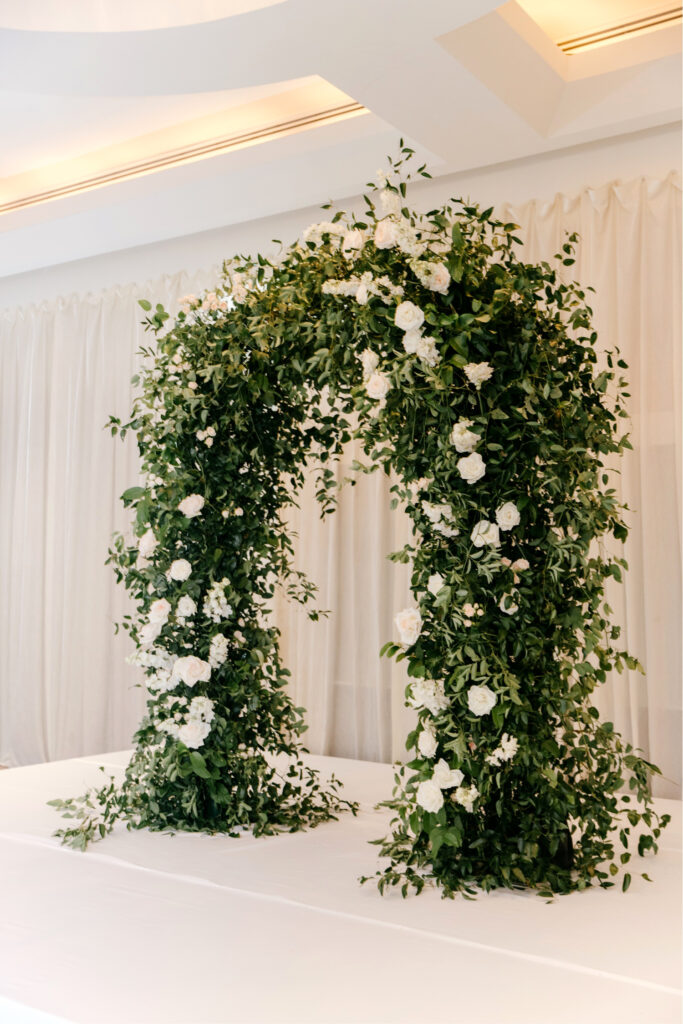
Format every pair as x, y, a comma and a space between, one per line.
471, 467
191, 506
507, 516
147, 544
409, 626
429, 796
192, 670
481, 699
477, 373
411, 340
485, 533
464, 439
159, 611
193, 733
186, 607
435, 583
378, 386
508, 603
386, 234
426, 741
446, 777
408, 316
180, 570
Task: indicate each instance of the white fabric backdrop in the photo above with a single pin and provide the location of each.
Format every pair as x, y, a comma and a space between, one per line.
64, 688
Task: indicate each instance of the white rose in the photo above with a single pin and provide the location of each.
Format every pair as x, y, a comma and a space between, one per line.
435, 583
446, 777
160, 610
193, 733
192, 670
485, 533
411, 340
148, 633
477, 373
191, 505
186, 607
409, 625
386, 234
429, 796
507, 516
352, 240
471, 467
147, 544
378, 386
480, 700
180, 570
439, 278
507, 603
429, 694
426, 741
464, 439
408, 316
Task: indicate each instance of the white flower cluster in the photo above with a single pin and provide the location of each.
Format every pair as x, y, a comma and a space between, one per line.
435, 276
190, 722
206, 436
317, 233
429, 793
216, 605
218, 650
441, 517
471, 612
361, 288
429, 694
212, 303
519, 565
417, 344
369, 360
188, 302
478, 373
485, 532
505, 752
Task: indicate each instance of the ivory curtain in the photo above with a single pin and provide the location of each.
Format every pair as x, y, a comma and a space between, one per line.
64, 686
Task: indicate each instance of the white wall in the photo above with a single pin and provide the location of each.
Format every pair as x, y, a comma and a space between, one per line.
652, 153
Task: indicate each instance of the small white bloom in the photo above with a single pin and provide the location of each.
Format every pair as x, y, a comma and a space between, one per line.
508, 603
192, 505
481, 699
192, 385
147, 544
507, 516
435, 583
148, 633
429, 694
426, 741
427, 351
408, 316
520, 565
429, 796
192, 670
386, 234
485, 533
218, 650
466, 795
180, 570
187, 302
505, 752
409, 625
464, 439
411, 340
159, 611
353, 240
186, 607
369, 361
471, 467
477, 373
378, 386
446, 777
193, 733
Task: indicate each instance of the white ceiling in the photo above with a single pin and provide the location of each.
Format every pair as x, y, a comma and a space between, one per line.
469, 82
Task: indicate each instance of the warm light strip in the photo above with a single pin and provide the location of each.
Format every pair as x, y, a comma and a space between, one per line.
190, 153
668, 17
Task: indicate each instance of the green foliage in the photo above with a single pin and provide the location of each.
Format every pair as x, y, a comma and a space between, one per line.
278, 364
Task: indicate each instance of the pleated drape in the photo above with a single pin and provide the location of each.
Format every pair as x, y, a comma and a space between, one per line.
64, 686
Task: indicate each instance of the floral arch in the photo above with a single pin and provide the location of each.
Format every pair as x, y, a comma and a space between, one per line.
472, 376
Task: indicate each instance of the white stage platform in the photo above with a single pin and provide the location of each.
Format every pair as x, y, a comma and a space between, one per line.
190, 929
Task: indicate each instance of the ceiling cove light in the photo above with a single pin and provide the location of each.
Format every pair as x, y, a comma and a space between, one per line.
187, 154
622, 30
